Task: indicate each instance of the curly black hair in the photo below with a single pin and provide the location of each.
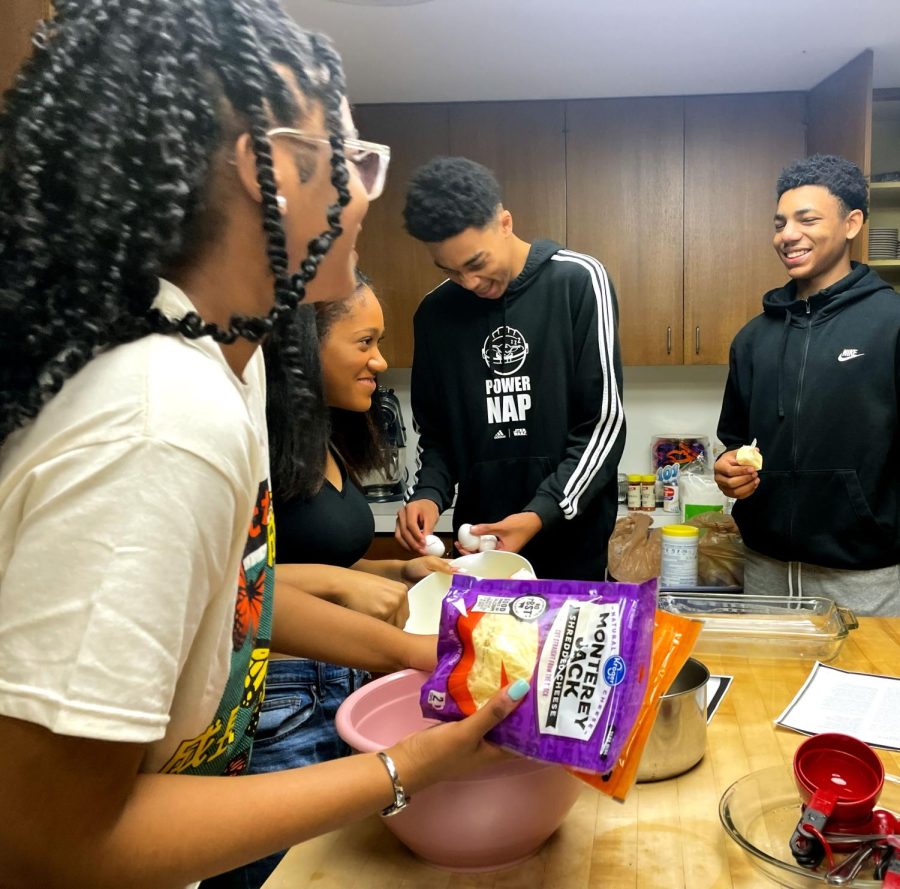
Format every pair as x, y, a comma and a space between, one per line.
448, 195
841, 177
108, 139
296, 471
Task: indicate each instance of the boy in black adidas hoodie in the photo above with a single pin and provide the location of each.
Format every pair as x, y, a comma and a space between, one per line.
816, 380
516, 381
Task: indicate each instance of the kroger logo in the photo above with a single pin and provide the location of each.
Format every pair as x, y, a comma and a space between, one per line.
614, 670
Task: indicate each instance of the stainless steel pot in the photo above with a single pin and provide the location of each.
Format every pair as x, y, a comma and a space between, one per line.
678, 738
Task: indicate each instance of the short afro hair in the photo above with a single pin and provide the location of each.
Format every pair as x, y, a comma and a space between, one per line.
448, 195
841, 177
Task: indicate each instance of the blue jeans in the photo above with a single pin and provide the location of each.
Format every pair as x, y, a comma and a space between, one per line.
296, 728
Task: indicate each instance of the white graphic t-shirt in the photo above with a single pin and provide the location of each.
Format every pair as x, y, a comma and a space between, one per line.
135, 604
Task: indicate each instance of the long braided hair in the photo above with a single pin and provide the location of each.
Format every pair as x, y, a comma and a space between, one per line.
107, 144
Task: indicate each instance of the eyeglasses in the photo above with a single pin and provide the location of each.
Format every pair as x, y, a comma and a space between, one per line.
369, 158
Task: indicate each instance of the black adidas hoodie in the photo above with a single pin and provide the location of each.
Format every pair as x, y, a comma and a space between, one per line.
518, 400
816, 383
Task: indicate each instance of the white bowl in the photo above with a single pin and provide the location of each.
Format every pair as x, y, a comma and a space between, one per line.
426, 596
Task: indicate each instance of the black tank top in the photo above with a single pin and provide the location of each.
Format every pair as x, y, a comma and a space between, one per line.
331, 528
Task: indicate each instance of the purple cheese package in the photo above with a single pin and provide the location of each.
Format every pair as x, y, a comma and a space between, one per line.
584, 647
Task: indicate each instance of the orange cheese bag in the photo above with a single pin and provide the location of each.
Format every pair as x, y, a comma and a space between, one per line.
674, 638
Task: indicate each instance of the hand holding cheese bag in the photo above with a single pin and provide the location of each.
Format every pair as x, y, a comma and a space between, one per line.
584, 646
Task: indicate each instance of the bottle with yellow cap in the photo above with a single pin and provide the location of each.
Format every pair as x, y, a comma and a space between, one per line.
678, 563
634, 492
648, 493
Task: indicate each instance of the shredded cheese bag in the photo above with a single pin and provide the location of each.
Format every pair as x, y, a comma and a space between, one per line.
584, 647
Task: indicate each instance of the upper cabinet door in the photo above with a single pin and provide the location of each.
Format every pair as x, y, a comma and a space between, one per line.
524, 144
735, 147
625, 160
400, 268
839, 112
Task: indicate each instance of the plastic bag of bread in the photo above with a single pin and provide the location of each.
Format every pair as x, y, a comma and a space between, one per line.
585, 648
634, 550
720, 552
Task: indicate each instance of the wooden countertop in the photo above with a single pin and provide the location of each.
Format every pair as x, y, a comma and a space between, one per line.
667, 834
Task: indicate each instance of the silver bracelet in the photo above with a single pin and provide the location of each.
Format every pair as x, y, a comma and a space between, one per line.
401, 800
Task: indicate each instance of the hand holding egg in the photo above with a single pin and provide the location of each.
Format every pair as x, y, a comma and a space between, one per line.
434, 546
749, 455
473, 542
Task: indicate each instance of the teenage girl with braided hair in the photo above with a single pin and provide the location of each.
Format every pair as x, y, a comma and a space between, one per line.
173, 181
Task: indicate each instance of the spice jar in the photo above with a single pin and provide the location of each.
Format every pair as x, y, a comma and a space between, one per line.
648, 493
634, 492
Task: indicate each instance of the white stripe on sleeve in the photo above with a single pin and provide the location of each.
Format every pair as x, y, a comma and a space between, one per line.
612, 415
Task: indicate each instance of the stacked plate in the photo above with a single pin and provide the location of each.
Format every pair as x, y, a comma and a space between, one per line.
883, 243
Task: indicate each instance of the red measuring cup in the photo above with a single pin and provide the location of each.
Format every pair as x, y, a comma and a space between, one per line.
840, 779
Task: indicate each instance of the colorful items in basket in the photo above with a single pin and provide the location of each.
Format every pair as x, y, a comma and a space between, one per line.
669, 455
666, 450
840, 779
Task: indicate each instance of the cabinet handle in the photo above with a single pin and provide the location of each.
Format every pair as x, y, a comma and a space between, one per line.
668, 340
697, 340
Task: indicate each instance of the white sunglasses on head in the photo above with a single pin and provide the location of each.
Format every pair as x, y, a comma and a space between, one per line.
369, 158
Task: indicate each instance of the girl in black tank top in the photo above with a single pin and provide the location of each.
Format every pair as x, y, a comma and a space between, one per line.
324, 528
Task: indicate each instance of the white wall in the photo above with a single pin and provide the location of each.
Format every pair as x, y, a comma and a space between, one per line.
657, 400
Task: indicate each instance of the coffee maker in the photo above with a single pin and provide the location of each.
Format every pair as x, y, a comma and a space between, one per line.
380, 487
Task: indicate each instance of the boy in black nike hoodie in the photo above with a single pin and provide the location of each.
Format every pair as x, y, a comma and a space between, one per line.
814, 380
516, 381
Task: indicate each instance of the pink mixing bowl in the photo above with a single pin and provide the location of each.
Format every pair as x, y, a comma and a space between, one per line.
492, 819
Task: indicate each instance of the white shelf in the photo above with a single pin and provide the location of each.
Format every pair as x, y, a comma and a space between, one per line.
884, 194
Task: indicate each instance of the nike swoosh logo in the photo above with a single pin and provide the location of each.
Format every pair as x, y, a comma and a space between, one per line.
850, 357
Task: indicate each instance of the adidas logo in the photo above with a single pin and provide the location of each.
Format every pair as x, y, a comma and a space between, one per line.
499, 434
849, 354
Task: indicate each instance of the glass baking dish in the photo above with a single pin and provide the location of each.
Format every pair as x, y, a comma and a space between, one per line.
764, 626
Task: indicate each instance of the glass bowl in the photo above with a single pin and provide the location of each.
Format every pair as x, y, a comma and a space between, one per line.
760, 811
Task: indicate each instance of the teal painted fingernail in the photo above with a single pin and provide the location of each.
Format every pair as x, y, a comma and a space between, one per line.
519, 689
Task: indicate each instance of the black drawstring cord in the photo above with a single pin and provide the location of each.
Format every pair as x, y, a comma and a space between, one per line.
784, 336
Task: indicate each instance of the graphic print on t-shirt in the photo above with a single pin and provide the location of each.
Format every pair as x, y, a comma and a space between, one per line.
224, 746
507, 393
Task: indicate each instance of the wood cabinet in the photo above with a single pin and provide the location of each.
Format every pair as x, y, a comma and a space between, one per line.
625, 163
675, 195
524, 144
839, 115
735, 147
401, 269
19, 19
847, 117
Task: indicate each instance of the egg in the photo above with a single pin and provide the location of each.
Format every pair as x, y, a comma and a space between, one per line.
748, 455
487, 542
466, 538
434, 546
